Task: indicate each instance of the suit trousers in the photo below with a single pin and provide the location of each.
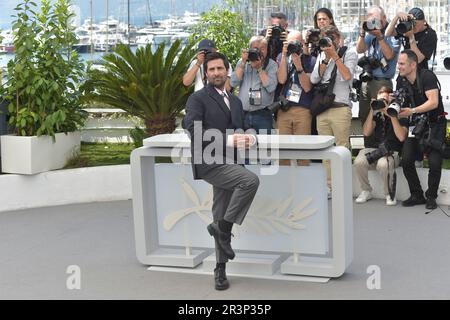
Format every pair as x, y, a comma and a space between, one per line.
234, 188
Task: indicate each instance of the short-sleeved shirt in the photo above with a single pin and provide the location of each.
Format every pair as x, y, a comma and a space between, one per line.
252, 81
429, 81
308, 63
374, 50
200, 79
426, 41
384, 131
341, 87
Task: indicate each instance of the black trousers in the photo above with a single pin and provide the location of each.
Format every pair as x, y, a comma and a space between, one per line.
409, 154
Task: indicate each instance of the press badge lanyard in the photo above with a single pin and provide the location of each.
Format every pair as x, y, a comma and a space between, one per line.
255, 95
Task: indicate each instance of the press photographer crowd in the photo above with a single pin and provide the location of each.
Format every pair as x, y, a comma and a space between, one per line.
304, 82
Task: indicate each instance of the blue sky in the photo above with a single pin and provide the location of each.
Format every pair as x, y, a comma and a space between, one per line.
117, 8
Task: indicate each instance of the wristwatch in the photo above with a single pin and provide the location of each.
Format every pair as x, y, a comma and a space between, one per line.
414, 111
325, 62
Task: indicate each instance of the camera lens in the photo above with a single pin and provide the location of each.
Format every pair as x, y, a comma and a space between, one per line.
447, 63
393, 109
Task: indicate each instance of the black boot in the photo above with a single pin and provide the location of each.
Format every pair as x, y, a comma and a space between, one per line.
220, 278
223, 239
431, 203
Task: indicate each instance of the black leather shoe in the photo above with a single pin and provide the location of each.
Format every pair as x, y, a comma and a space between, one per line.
223, 238
431, 204
220, 279
413, 200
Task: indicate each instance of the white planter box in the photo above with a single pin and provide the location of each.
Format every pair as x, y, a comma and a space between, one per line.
31, 155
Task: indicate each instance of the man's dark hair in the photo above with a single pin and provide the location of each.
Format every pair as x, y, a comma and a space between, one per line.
214, 56
327, 12
279, 15
412, 56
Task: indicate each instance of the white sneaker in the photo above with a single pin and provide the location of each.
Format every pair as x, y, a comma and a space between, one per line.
363, 196
390, 202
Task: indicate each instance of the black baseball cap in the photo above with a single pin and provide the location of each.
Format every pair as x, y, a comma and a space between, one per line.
279, 15
417, 13
206, 44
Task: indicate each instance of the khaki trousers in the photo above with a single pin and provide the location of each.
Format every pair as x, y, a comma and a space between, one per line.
381, 165
335, 122
297, 120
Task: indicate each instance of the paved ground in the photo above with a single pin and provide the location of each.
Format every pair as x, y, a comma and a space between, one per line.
37, 246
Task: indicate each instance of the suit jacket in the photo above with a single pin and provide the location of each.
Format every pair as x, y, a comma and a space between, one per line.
208, 110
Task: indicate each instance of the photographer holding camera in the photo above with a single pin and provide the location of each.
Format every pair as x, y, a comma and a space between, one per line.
415, 34
275, 34
293, 116
427, 127
333, 72
195, 73
389, 134
379, 64
256, 76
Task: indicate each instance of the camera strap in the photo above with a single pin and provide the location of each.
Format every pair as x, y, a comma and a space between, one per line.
392, 185
341, 53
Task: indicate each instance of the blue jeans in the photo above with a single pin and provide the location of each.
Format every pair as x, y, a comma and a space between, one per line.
260, 120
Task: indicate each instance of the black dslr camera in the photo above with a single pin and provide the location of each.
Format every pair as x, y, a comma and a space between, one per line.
405, 26
400, 100
378, 105
325, 42
314, 36
447, 63
277, 30
368, 64
254, 54
381, 151
294, 47
282, 104
372, 24
429, 136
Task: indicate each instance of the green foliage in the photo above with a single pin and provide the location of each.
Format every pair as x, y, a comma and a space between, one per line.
226, 29
43, 79
138, 135
146, 84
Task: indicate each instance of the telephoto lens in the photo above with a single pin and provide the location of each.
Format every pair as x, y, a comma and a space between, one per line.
405, 26
314, 36
447, 63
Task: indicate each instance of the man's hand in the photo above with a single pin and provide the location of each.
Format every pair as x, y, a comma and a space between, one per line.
201, 57
244, 56
405, 112
243, 141
404, 16
269, 32
330, 52
377, 33
283, 36
296, 61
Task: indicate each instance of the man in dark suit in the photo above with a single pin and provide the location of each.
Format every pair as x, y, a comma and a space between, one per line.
212, 112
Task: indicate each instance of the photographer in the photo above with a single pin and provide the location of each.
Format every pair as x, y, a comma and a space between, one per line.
256, 76
389, 133
427, 127
195, 71
293, 116
275, 34
336, 119
379, 64
415, 34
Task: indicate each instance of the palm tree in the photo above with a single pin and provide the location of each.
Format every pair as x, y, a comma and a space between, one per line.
145, 84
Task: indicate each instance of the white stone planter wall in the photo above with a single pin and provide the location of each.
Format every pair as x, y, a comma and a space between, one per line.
31, 155
61, 187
